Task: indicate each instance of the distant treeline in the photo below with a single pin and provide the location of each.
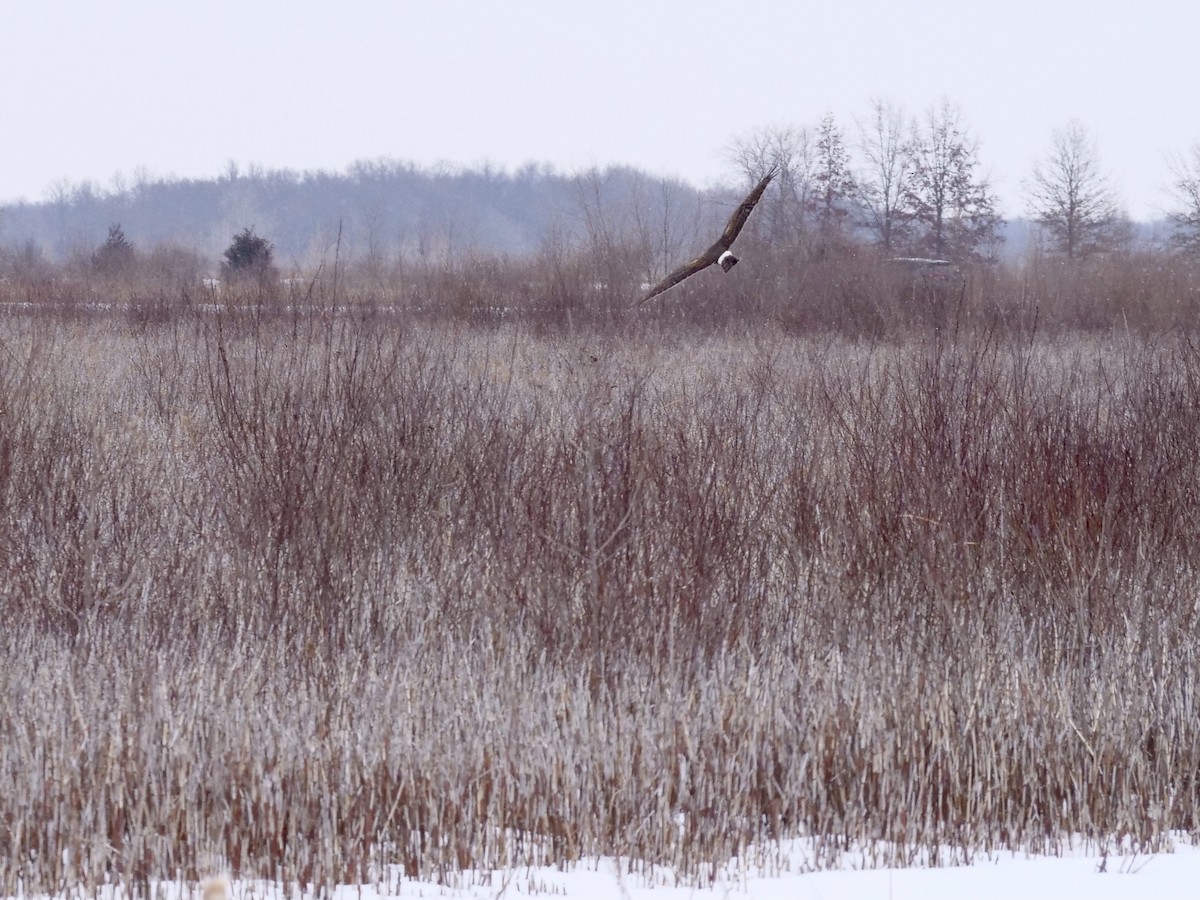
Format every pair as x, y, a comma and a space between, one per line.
896, 184
381, 209
901, 187
377, 208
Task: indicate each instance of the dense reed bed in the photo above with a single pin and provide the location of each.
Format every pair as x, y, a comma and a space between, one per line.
331, 598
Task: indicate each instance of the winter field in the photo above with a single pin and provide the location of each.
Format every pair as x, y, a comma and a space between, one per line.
1172, 876
477, 607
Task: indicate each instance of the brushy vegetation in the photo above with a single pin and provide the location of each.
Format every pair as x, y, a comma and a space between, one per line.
498, 578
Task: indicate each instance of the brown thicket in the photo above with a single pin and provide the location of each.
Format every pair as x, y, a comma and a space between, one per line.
324, 584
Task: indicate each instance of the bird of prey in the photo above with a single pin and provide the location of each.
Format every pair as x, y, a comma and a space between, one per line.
719, 252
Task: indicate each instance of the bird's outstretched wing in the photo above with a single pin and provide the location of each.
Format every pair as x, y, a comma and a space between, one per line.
713, 253
742, 213
685, 271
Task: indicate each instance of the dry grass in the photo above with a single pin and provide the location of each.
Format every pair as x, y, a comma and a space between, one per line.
310, 596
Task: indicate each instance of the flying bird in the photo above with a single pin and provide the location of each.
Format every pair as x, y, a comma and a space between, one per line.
719, 252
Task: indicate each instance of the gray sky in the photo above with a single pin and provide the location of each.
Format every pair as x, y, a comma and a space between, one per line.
90, 89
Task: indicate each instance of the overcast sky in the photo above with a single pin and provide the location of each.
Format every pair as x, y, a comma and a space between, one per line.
89, 89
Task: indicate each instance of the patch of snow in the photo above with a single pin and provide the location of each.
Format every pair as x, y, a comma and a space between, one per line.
1002, 876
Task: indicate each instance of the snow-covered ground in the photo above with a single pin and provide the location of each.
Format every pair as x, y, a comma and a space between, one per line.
786, 875
1081, 874
1168, 876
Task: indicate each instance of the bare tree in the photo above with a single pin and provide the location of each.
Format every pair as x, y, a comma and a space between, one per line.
883, 180
950, 203
1186, 191
666, 217
1071, 198
614, 256
783, 216
833, 185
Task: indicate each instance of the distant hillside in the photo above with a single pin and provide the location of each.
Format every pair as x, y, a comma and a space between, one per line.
382, 207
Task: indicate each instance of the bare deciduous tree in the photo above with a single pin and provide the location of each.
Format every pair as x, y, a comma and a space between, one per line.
666, 220
950, 203
883, 181
783, 216
1186, 191
614, 256
1070, 197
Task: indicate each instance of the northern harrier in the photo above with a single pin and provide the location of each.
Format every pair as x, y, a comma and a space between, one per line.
719, 252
